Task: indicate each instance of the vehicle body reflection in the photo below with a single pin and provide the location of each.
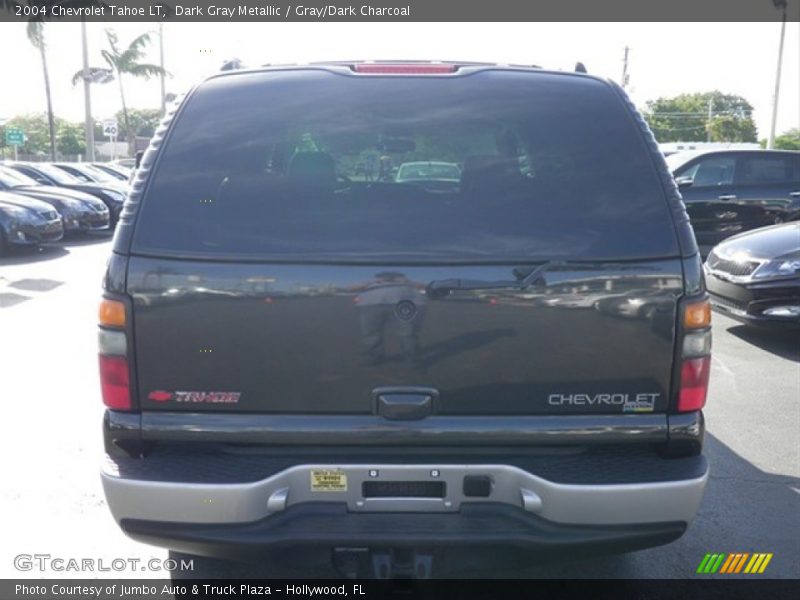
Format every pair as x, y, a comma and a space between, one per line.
390, 302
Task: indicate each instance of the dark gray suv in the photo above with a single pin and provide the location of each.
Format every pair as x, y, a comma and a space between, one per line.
299, 349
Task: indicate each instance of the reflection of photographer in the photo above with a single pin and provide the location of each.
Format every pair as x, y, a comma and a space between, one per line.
389, 146
385, 168
390, 300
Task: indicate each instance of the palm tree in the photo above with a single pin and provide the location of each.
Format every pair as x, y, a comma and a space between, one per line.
36, 36
127, 62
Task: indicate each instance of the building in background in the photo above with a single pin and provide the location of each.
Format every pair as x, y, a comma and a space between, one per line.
668, 148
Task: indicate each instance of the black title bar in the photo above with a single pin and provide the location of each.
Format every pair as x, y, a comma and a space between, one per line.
400, 10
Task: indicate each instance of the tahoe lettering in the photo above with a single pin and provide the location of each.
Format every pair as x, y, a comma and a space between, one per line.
208, 397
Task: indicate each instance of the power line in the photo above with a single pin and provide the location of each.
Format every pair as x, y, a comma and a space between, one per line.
678, 128
701, 114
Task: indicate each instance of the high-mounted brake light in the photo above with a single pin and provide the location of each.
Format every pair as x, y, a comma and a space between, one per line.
111, 313
403, 69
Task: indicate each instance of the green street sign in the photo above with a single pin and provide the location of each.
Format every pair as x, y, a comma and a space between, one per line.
14, 137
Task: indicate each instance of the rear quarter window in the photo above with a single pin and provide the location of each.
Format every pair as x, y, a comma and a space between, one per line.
310, 164
767, 168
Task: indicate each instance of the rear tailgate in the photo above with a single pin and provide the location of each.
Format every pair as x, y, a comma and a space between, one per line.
317, 339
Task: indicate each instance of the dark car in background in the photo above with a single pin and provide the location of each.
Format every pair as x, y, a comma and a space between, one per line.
727, 192
90, 174
295, 359
27, 222
125, 163
754, 277
46, 174
80, 211
118, 172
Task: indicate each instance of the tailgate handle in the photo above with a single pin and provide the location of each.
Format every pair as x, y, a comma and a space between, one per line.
404, 404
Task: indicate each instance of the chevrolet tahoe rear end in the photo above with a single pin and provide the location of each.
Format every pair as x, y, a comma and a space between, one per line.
300, 349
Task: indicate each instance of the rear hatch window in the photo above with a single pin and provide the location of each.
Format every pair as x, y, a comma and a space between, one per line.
316, 165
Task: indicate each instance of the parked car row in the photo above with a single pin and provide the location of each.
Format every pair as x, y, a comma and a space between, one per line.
25, 221
729, 192
744, 206
41, 202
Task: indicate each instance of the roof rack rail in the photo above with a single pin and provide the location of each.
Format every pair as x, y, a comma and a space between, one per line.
580, 68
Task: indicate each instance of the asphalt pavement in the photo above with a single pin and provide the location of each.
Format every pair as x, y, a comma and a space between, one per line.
52, 503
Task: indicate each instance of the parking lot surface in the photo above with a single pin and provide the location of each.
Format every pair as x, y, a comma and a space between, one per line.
52, 446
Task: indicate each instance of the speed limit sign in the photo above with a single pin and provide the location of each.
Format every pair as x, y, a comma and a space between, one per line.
110, 129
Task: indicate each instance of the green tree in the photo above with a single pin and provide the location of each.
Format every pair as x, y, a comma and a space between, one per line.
788, 140
71, 139
684, 118
36, 128
126, 62
35, 31
143, 121
729, 128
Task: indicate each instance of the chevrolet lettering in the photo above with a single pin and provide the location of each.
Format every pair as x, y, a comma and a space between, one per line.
601, 399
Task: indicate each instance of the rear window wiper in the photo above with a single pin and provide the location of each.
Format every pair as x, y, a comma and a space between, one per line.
439, 288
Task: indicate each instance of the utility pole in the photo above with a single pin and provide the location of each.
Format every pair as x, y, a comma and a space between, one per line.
625, 76
708, 119
161, 58
771, 139
87, 96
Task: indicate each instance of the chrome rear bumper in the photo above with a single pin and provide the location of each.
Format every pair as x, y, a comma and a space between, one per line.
236, 503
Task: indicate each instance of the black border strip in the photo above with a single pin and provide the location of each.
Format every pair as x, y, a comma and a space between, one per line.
401, 10
706, 587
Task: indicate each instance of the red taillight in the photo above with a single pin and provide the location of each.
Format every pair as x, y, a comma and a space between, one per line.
403, 69
114, 382
694, 383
